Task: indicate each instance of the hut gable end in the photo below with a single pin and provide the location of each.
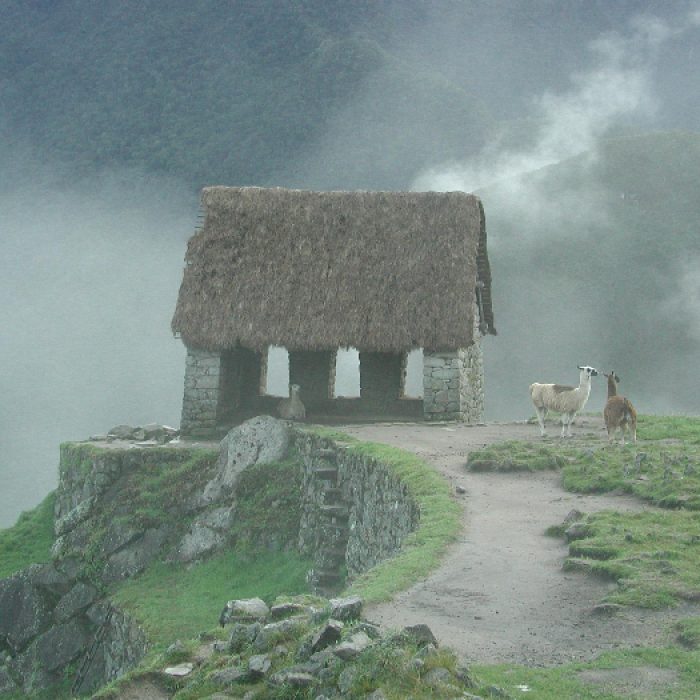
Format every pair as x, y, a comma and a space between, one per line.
380, 271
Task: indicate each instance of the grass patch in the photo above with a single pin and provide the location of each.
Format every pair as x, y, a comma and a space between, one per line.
175, 603
29, 540
654, 556
268, 505
570, 680
514, 455
689, 632
686, 428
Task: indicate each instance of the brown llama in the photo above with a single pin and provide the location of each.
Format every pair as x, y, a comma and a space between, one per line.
619, 412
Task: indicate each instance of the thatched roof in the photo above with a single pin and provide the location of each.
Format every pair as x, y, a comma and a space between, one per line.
380, 271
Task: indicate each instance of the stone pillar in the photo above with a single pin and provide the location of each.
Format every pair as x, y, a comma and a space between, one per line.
453, 383
200, 402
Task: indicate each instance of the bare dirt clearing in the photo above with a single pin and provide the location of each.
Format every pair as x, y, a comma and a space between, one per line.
500, 594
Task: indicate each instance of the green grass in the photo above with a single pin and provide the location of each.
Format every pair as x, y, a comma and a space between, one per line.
29, 540
654, 556
172, 602
566, 682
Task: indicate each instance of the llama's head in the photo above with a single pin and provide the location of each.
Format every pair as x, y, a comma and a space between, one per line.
612, 376
588, 372
294, 389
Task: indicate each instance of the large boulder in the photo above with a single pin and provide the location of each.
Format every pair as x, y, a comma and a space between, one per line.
260, 440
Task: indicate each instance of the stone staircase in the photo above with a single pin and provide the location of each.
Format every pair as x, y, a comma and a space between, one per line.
328, 573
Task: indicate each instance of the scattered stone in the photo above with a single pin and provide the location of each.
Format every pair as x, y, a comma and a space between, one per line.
420, 635
277, 612
460, 490
353, 647
376, 695
270, 635
577, 531
330, 634
437, 676
228, 676
242, 635
346, 608
180, 670
245, 609
296, 679
259, 666
121, 432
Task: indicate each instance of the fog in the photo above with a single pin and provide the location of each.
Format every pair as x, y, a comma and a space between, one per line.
91, 269
88, 281
550, 317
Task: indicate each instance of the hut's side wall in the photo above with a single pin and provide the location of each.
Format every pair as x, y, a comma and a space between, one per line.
200, 403
453, 383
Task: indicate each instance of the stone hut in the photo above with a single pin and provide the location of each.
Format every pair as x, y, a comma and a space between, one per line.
382, 272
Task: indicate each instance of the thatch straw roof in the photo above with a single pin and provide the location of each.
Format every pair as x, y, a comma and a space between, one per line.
380, 271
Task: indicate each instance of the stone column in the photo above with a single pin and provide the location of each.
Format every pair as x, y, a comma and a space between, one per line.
202, 394
453, 382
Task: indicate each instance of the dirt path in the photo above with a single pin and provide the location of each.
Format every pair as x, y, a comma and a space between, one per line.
501, 594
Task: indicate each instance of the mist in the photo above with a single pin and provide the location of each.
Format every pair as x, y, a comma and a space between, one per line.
88, 283
545, 234
94, 252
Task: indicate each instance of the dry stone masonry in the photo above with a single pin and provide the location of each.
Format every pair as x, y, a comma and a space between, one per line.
453, 382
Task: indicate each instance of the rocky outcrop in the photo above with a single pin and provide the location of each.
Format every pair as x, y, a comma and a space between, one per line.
119, 508
311, 652
51, 622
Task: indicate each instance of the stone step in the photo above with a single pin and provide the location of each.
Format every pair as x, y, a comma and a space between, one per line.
332, 495
324, 453
326, 473
340, 512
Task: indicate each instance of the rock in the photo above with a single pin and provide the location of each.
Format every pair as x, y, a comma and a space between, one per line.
119, 534
25, 611
280, 610
257, 441
270, 635
420, 635
258, 666
296, 679
74, 516
247, 609
180, 670
135, 557
121, 432
79, 598
346, 608
7, 683
228, 676
61, 645
50, 579
330, 634
437, 676
353, 647
243, 635
577, 531
347, 678
198, 543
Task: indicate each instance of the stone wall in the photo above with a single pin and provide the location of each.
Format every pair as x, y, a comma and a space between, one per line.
355, 511
453, 382
200, 402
